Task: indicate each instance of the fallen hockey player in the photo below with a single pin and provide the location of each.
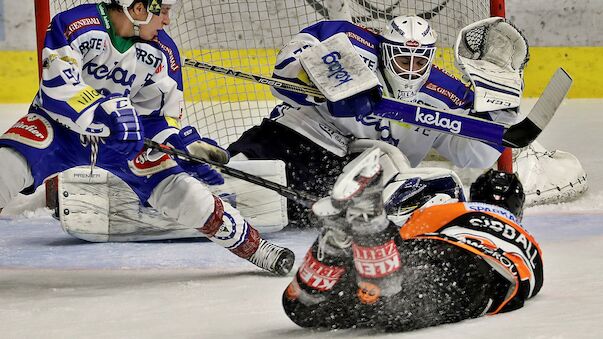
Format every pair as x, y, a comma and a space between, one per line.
448, 262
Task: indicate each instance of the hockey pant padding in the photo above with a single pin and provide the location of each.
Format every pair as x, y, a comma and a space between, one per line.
15, 175
187, 200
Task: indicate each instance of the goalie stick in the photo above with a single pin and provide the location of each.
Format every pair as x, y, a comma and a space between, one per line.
300, 197
515, 136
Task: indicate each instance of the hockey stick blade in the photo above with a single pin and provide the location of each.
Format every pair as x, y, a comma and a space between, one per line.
300, 197
523, 133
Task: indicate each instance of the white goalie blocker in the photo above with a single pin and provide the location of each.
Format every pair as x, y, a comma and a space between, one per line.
102, 208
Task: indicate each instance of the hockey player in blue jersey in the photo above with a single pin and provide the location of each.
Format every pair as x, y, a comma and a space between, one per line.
314, 137
111, 77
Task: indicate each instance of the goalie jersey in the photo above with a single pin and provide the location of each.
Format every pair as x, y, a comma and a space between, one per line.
312, 118
85, 61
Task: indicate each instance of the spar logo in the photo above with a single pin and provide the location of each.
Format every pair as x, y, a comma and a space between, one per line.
32, 130
336, 69
434, 119
142, 166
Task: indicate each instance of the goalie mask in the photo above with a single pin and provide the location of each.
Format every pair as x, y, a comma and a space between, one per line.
407, 52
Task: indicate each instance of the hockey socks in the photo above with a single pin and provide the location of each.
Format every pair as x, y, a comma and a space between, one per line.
327, 261
226, 227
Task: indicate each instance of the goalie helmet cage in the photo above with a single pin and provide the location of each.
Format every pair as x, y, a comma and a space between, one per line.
246, 35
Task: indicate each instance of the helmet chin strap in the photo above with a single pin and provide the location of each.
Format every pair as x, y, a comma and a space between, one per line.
403, 89
137, 23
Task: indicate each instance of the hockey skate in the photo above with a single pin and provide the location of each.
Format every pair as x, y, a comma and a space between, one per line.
273, 258
334, 239
360, 190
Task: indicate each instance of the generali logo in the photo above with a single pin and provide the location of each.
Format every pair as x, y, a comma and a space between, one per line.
81, 23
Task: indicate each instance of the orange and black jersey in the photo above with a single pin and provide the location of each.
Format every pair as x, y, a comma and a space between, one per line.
492, 233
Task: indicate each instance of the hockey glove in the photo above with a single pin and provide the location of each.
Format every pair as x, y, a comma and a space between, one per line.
189, 140
359, 105
126, 132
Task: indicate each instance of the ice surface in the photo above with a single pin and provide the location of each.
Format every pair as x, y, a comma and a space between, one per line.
54, 286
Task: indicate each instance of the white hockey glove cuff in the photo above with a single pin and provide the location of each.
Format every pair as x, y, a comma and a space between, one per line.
492, 53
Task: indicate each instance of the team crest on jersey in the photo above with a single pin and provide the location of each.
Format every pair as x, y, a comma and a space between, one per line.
142, 166
32, 130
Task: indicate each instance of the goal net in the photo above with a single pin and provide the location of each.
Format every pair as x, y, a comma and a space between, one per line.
246, 35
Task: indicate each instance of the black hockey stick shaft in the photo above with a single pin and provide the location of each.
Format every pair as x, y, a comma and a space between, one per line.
300, 197
276, 83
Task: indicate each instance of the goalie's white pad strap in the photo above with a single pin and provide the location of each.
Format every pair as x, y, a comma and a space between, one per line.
336, 68
492, 54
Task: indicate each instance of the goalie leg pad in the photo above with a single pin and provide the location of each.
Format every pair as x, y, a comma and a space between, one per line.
104, 208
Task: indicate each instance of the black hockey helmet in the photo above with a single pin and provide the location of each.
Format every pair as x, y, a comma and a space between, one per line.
500, 189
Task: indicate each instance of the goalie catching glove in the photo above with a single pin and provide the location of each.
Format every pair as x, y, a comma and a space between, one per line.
125, 130
189, 140
492, 53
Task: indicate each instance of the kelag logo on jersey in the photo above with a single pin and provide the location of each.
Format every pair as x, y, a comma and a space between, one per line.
118, 75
